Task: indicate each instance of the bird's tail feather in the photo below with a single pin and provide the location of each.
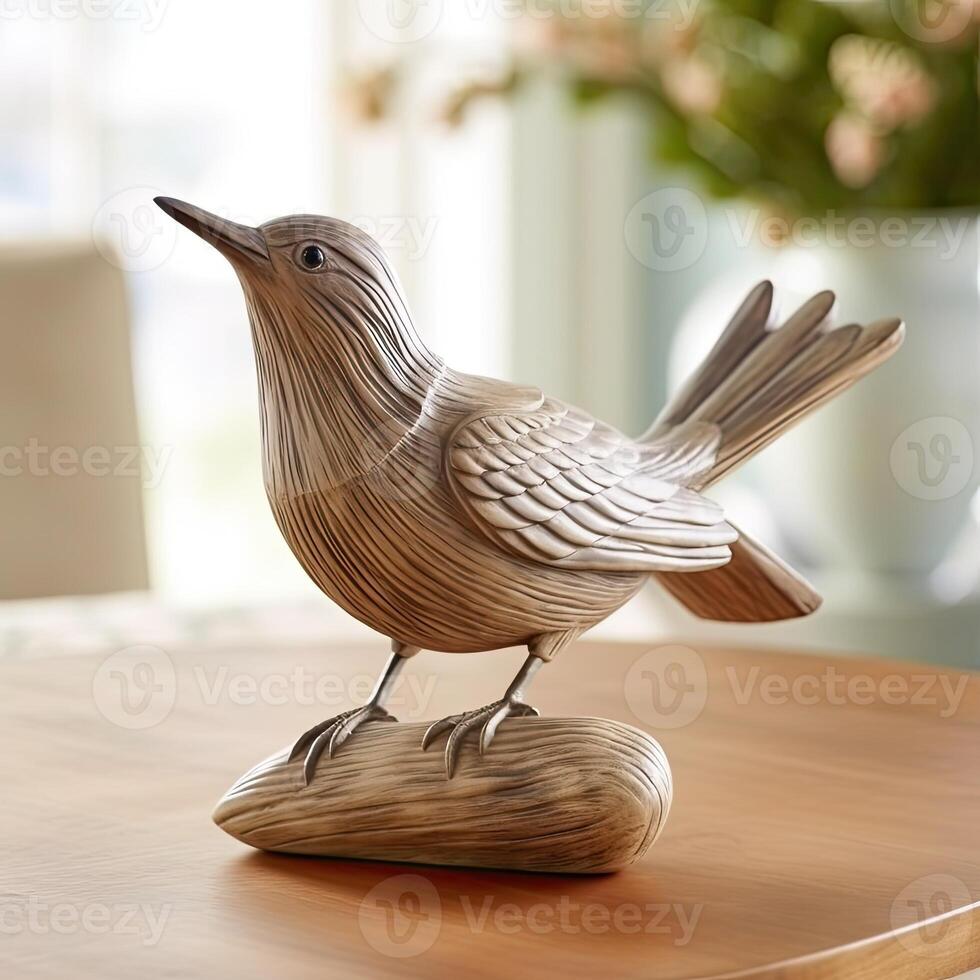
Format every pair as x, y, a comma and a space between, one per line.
757, 382
753, 587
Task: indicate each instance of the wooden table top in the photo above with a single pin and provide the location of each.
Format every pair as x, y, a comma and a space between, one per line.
825, 823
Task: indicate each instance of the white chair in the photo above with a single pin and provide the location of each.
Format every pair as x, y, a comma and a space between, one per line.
71, 509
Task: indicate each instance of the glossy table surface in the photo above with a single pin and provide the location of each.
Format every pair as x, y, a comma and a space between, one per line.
826, 822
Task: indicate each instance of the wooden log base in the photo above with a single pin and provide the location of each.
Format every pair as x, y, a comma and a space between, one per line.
582, 795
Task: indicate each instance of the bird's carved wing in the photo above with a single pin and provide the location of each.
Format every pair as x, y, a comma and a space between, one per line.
552, 484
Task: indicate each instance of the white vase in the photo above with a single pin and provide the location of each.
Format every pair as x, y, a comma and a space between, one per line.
878, 484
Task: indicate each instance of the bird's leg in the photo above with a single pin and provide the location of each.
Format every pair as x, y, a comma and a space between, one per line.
510, 705
331, 734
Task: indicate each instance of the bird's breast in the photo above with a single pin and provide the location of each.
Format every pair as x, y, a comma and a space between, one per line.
395, 550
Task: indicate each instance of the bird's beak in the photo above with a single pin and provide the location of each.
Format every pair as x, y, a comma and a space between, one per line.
233, 240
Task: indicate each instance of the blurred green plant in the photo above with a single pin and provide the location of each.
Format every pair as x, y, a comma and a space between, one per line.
803, 105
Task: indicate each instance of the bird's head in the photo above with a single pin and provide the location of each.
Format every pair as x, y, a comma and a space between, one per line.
339, 359
317, 288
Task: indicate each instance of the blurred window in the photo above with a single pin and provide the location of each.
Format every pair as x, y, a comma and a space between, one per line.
236, 107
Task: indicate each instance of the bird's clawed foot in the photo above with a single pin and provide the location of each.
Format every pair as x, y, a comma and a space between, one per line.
330, 735
458, 725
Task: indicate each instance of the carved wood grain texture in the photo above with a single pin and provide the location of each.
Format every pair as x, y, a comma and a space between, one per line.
756, 586
458, 513
795, 833
578, 795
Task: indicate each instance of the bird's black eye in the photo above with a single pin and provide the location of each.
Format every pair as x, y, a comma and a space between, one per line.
312, 257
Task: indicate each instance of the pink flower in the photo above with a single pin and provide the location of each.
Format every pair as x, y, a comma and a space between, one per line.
882, 81
856, 152
691, 84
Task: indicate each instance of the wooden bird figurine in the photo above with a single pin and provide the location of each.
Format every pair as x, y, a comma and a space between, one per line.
460, 513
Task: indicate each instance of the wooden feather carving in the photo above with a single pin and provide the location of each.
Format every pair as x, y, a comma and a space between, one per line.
561, 488
458, 513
